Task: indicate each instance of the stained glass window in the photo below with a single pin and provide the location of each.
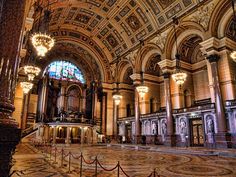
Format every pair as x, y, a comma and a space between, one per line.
65, 70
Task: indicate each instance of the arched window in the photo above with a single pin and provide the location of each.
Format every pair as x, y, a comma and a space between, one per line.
64, 70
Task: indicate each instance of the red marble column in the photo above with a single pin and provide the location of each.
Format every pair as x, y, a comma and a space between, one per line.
170, 137
222, 138
11, 23
104, 113
115, 117
137, 117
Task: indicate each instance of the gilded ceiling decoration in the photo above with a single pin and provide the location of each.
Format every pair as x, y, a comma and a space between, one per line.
116, 25
152, 66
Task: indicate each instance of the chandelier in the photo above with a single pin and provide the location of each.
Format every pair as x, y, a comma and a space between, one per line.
42, 43
117, 98
233, 56
179, 76
26, 86
142, 90
31, 71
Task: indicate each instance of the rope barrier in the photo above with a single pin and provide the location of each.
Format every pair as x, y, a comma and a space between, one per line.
106, 168
54, 151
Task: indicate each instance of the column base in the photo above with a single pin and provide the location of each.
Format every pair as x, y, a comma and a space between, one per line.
137, 139
9, 138
170, 140
233, 138
223, 140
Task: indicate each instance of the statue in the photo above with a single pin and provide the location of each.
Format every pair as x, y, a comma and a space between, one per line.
210, 125
164, 128
182, 126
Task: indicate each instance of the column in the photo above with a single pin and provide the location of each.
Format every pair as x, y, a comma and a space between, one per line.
68, 130
25, 111
11, 19
54, 135
222, 137
104, 116
62, 99
170, 138
43, 99
84, 101
115, 117
82, 135
137, 116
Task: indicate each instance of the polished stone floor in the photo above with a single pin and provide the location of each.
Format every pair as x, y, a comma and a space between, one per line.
30, 162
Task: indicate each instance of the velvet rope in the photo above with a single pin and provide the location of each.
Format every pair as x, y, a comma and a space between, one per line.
106, 168
124, 172
89, 163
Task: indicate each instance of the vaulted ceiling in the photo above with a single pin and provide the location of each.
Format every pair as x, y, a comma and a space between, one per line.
109, 28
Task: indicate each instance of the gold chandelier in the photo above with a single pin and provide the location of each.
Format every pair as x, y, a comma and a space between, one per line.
42, 43
117, 98
179, 76
26, 86
31, 71
142, 90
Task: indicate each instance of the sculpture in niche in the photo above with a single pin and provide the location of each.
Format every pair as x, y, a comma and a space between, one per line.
164, 127
210, 124
183, 126
154, 128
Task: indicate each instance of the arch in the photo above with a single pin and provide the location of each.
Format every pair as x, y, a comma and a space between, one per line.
151, 66
224, 21
186, 29
219, 11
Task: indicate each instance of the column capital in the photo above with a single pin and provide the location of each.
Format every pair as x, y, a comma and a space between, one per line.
213, 58
166, 75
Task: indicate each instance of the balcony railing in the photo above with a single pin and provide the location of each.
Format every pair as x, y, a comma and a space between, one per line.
209, 106
230, 103
72, 120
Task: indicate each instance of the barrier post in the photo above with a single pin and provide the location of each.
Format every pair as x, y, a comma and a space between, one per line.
96, 166
50, 155
69, 161
62, 156
81, 161
55, 158
118, 172
154, 173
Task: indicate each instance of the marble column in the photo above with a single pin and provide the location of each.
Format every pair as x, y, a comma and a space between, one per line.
12, 20
137, 137
83, 110
62, 99
222, 138
82, 135
170, 137
68, 130
54, 136
43, 99
115, 118
25, 111
104, 108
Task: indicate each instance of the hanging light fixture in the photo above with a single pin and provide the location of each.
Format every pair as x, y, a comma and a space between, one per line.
116, 95
179, 76
142, 89
233, 53
26, 86
31, 71
43, 42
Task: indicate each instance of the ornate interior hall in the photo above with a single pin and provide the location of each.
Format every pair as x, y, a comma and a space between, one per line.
109, 74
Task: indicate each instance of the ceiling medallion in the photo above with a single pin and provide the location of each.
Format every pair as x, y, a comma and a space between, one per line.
31, 71
26, 86
42, 43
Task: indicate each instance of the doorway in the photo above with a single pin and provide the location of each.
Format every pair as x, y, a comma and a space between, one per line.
197, 133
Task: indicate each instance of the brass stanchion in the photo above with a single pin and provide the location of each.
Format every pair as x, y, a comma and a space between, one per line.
96, 166
118, 171
62, 158
69, 161
81, 161
55, 158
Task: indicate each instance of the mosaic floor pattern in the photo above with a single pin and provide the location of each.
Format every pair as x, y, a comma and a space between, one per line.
135, 163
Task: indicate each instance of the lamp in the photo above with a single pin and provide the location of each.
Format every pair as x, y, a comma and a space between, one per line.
233, 54
179, 76
142, 89
26, 86
31, 71
43, 42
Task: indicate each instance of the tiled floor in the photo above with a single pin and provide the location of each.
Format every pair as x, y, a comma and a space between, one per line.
135, 163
